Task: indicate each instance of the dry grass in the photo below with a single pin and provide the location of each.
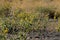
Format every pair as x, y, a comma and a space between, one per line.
19, 10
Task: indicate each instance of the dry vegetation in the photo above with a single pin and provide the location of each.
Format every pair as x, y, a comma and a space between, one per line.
19, 17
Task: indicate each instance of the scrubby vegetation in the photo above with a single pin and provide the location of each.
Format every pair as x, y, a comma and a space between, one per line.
17, 21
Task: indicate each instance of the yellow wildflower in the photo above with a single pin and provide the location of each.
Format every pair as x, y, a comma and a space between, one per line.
6, 30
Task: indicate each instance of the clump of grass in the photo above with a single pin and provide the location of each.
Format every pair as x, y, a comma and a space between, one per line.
45, 9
